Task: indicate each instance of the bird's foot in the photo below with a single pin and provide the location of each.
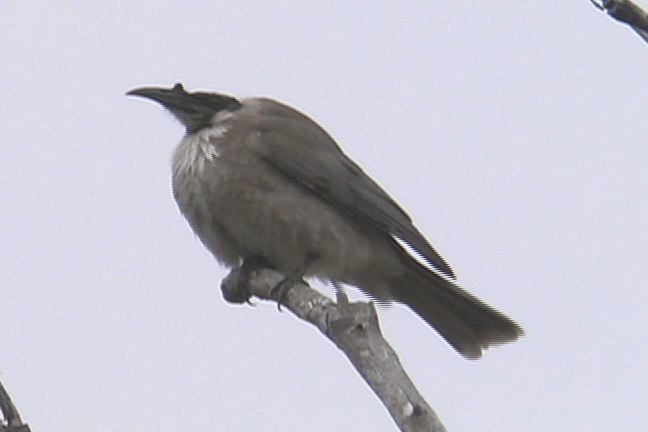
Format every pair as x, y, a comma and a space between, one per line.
280, 291
235, 287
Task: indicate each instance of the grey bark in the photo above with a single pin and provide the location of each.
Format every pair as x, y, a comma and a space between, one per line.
354, 329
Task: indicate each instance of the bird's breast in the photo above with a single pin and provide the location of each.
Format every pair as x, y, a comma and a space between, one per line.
241, 207
197, 182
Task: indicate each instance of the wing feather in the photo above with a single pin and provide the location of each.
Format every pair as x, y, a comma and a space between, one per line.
305, 153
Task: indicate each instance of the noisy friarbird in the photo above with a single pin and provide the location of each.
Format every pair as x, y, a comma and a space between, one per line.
258, 180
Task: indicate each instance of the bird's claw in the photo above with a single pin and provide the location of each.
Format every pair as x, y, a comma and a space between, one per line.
281, 289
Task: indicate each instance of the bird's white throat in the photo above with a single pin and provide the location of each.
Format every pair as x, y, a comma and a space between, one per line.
195, 149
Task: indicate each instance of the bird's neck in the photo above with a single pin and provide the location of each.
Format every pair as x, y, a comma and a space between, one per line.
197, 149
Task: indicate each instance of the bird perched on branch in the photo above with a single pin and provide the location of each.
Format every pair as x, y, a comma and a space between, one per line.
259, 181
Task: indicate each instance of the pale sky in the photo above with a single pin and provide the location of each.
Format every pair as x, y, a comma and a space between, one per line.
514, 133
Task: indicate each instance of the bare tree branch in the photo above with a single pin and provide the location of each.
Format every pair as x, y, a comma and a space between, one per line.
12, 421
354, 329
628, 13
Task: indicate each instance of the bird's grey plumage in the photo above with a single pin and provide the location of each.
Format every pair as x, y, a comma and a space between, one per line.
257, 179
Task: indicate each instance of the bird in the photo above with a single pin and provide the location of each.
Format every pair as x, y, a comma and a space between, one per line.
259, 181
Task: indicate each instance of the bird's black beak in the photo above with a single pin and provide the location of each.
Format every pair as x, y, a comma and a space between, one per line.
173, 98
194, 110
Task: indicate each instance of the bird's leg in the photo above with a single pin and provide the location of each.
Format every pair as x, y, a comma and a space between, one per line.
252, 263
341, 297
296, 276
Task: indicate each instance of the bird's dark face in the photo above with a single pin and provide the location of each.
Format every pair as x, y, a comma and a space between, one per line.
194, 110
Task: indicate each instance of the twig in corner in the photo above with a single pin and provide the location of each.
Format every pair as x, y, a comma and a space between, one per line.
626, 12
12, 421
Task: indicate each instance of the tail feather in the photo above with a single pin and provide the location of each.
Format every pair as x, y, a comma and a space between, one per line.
465, 322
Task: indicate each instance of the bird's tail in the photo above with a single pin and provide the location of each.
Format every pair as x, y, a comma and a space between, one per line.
465, 322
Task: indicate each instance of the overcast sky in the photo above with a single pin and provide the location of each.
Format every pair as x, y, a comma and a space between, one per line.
514, 133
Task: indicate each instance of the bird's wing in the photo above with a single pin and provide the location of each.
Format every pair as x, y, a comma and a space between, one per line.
305, 153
